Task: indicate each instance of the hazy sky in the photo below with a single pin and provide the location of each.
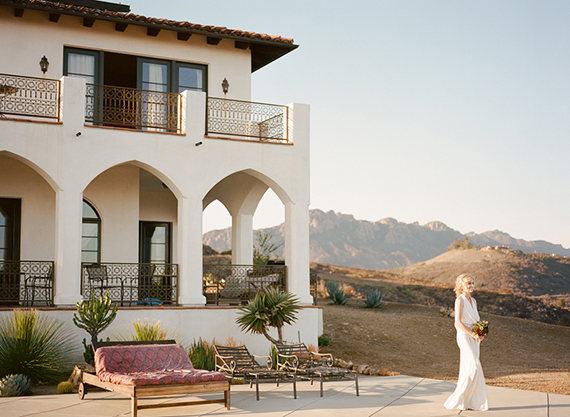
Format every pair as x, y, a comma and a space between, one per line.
457, 111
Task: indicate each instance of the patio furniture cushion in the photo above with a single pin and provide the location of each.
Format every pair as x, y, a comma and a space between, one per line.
149, 365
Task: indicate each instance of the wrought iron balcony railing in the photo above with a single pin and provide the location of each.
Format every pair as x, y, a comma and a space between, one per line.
256, 121
26, 283
29, 96
239, 283
131, 284
132, 108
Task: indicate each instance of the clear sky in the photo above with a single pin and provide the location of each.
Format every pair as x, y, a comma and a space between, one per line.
456, 111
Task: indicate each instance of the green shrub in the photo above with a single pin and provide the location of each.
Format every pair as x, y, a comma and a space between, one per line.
65, 387
461, 244
324, 341
203, 355
336, 294
33, 345
374, 299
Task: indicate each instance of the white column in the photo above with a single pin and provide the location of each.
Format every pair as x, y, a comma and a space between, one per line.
297, 251
67, 279
242, 239
190, 252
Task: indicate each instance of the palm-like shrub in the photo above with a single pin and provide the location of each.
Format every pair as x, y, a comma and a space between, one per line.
374, 299
36, 346
269, 308
336, 294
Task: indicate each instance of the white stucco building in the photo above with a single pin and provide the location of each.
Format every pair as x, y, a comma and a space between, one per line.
109, 156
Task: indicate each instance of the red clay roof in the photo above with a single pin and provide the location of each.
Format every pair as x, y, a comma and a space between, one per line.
137, 18
275, 46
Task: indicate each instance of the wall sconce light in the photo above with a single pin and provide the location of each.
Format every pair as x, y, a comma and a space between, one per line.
44, 64
225, 86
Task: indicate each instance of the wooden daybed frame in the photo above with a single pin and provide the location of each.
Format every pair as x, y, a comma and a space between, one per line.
141, 391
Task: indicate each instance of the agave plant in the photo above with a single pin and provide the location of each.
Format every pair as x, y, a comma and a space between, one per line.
269, 308
336, 294
374, 299
14, 385
33, 345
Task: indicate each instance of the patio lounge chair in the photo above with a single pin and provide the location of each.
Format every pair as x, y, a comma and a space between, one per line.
236, 361
305, 364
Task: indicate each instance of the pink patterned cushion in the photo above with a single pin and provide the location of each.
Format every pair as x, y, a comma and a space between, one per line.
149, 365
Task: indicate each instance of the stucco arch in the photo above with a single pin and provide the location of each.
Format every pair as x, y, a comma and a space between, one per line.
48, 178
241, 192
171, 184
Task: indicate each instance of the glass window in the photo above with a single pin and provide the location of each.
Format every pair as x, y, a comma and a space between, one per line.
191, 77
82, 63
90, 235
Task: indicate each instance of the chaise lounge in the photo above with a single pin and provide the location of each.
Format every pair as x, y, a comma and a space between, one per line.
298, 359
144, 370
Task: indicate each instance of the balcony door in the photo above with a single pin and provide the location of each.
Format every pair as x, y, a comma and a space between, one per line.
10, 218
155, 281
154, 80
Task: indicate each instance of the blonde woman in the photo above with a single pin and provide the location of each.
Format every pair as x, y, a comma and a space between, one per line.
471, 391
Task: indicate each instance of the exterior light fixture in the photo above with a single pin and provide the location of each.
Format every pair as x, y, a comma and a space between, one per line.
225, 86
44, 64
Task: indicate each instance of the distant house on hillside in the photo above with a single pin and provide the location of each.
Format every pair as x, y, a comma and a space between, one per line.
116, 131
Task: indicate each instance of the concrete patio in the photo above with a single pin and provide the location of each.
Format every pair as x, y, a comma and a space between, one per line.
379, 396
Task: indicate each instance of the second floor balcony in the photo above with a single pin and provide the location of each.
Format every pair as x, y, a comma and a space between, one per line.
31, 98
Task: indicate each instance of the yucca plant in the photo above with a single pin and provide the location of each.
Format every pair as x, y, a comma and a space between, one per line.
36, 346
203, 355
336, 294
269, 308
374, 299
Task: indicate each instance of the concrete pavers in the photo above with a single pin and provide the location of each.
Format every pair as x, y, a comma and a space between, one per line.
399, 396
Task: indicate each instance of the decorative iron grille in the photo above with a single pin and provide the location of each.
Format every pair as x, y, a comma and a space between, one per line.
240, 283
29, 96
132, 108
264, 122
26, 283
130, 283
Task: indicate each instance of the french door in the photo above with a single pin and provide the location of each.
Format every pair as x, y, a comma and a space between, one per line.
155, 280
10, 219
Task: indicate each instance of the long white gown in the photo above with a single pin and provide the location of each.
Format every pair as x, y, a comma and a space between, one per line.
471, 391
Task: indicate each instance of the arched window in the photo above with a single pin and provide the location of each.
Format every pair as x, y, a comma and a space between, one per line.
90, 235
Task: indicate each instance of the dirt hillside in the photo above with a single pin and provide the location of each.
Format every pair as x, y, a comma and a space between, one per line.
415, 340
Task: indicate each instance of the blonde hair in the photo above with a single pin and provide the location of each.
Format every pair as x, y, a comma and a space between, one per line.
460, 283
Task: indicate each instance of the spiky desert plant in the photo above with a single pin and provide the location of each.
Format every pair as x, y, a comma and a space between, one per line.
203, 355
34, 345
95, 315
374, 299
336, 293
269, 308
145, 330
14, 385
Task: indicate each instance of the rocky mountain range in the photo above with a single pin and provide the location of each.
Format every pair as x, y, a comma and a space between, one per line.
340, 239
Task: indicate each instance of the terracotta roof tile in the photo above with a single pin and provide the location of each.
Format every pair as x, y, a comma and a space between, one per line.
109, 14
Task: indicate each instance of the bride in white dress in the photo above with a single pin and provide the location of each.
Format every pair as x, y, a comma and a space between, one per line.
471, 391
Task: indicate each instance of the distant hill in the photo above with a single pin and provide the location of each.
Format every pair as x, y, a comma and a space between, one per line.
340, 239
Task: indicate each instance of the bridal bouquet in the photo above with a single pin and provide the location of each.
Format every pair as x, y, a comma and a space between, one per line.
481, 328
